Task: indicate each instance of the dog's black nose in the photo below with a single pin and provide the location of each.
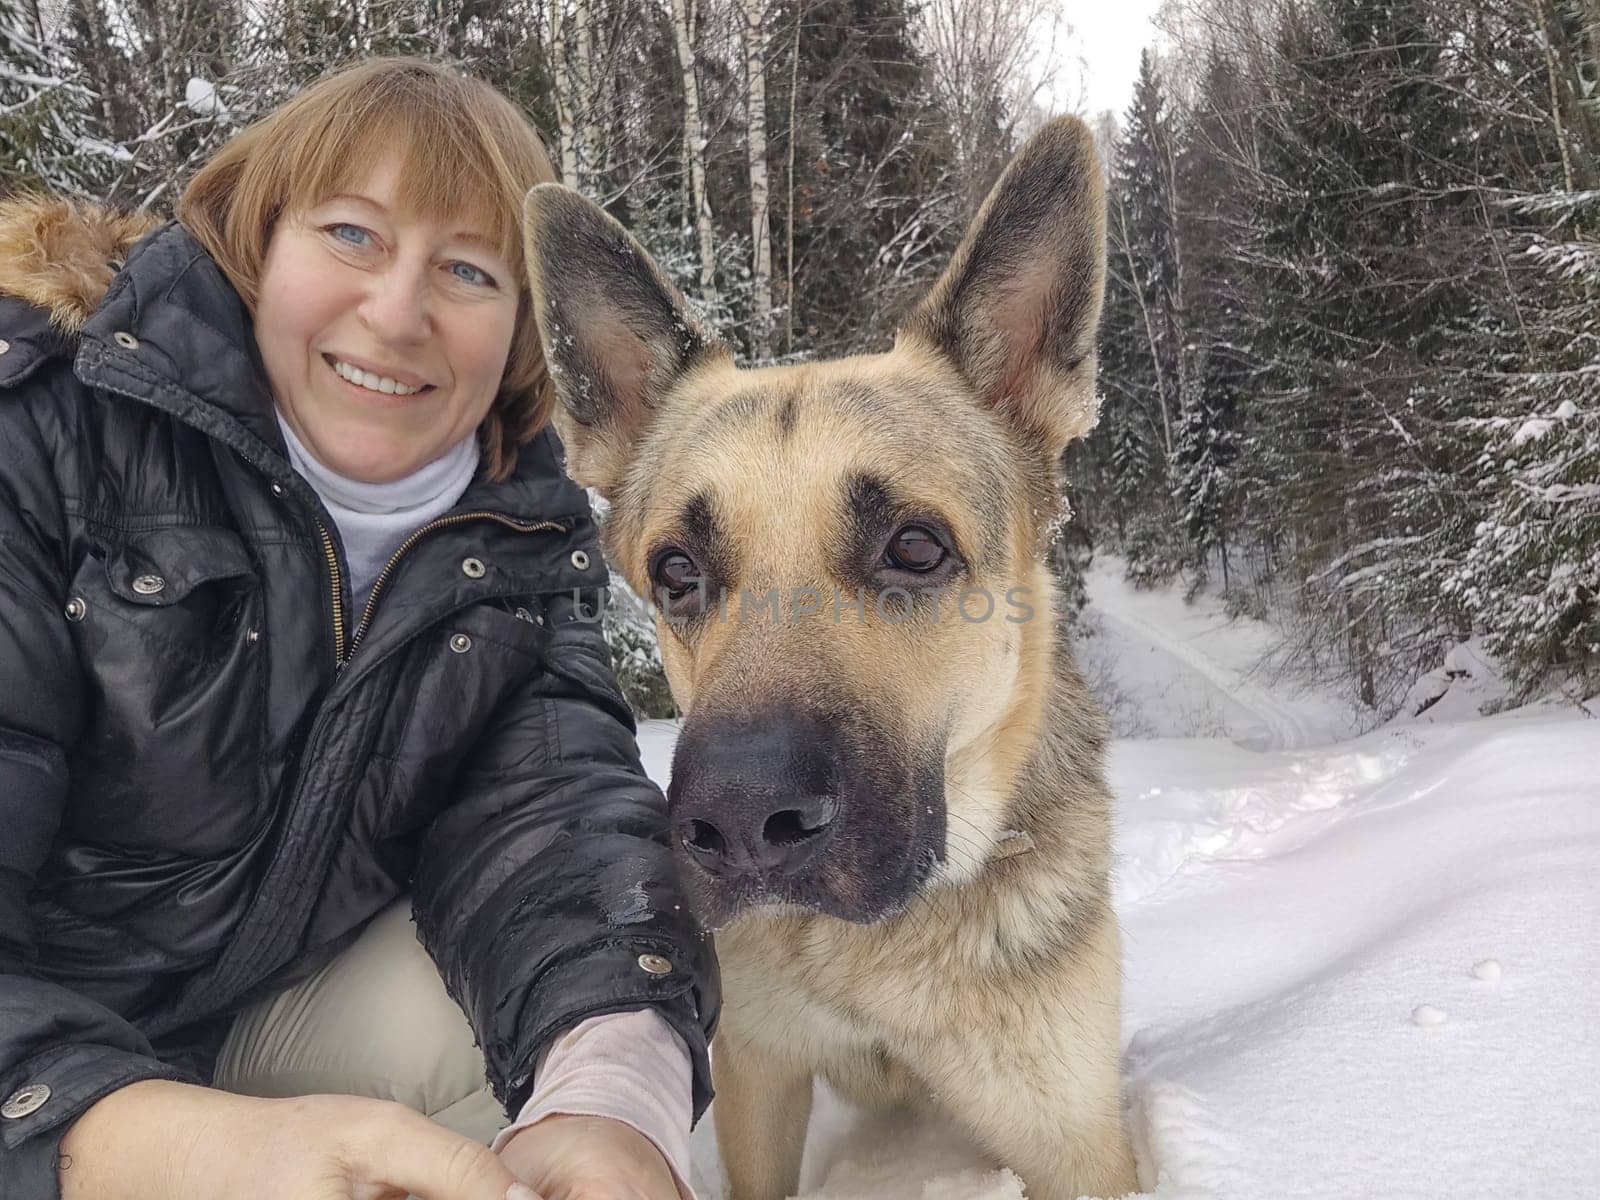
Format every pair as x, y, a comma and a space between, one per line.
754, 797
781, 842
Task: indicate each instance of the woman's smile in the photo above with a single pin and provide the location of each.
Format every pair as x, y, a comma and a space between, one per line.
376, 381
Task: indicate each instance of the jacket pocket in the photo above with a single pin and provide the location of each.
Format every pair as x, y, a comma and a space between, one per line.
166, 624
165, 566
184, 587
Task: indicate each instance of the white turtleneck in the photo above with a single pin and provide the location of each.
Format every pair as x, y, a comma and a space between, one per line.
374, 518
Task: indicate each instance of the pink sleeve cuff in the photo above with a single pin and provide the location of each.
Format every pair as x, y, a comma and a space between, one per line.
629, 1066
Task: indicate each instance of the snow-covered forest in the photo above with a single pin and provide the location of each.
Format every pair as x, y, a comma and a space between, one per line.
1351, 354
1351, 357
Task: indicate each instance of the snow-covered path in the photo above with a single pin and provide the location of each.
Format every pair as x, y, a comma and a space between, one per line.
1284, 726
1187, 669
1354, 968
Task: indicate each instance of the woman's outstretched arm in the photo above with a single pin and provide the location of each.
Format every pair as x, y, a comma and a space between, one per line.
547, 893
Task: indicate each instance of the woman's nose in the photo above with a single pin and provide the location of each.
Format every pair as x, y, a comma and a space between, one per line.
396, 308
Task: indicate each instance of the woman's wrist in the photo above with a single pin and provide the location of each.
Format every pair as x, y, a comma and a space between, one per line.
130, 1144
567, 1154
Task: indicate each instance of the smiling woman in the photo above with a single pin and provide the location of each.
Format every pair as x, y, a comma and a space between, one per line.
317, 790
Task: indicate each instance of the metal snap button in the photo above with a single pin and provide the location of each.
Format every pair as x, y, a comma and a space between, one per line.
126, 340
252, 635
580, 560
25, 1101
149, 585
276, 488
461, 643
472, 568
655, 964
4, 345
77, 609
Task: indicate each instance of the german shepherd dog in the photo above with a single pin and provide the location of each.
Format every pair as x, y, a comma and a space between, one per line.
888, 795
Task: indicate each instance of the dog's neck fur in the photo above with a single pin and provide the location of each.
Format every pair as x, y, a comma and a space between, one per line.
1057, 756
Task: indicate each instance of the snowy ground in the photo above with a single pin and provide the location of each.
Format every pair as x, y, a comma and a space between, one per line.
1359, 968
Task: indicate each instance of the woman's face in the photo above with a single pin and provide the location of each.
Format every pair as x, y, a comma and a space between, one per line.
384, 335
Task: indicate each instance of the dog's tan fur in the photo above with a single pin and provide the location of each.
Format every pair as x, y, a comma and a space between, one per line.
61, 255
994, 995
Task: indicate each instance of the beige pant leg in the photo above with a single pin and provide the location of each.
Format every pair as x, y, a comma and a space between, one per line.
376, 1021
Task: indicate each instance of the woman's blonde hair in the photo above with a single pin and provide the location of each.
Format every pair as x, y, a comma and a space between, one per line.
467, 153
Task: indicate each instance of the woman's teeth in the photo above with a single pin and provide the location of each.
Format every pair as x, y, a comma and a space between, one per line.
373, 383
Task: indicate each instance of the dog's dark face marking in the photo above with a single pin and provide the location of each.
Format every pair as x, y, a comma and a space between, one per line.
892, 544
807, 532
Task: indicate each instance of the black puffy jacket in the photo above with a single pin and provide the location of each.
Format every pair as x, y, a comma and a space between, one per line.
212, 773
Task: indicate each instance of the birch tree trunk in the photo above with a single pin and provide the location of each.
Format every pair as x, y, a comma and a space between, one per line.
1119, 240
755, 50
1177, 302
1555, 95
788, 208
560, 30
585, 101
694, 134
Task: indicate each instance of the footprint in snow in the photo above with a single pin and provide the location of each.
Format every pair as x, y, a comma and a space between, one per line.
1427, 1015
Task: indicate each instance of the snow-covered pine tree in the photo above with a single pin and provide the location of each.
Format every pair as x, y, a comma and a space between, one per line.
1387, 249
38, 97
1529, 570
1140, 334
1214, 146
876, 191
1203, 453
1358, 290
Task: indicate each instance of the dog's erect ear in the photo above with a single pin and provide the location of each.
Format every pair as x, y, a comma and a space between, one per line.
616, 334
1018, 306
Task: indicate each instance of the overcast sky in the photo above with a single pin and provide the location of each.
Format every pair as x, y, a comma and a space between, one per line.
1108, 35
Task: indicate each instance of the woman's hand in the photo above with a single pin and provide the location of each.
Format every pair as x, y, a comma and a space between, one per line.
157, 1140
589, 1158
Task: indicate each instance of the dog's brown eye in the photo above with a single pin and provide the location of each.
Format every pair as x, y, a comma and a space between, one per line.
676, 572
915, 549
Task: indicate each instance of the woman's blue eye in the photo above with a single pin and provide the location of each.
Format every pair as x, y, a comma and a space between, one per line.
353, 234
470, 274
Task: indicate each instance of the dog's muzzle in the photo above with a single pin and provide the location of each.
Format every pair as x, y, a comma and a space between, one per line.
796, 808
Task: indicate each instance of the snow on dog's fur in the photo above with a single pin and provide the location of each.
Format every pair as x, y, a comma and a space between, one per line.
892, 808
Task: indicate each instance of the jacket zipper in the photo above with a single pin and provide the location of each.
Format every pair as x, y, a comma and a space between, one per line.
337, 583
394, 560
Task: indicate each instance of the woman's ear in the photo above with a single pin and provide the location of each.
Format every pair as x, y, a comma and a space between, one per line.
617, 336
1017, 309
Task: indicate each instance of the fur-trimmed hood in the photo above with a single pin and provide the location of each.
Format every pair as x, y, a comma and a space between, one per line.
62, 254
